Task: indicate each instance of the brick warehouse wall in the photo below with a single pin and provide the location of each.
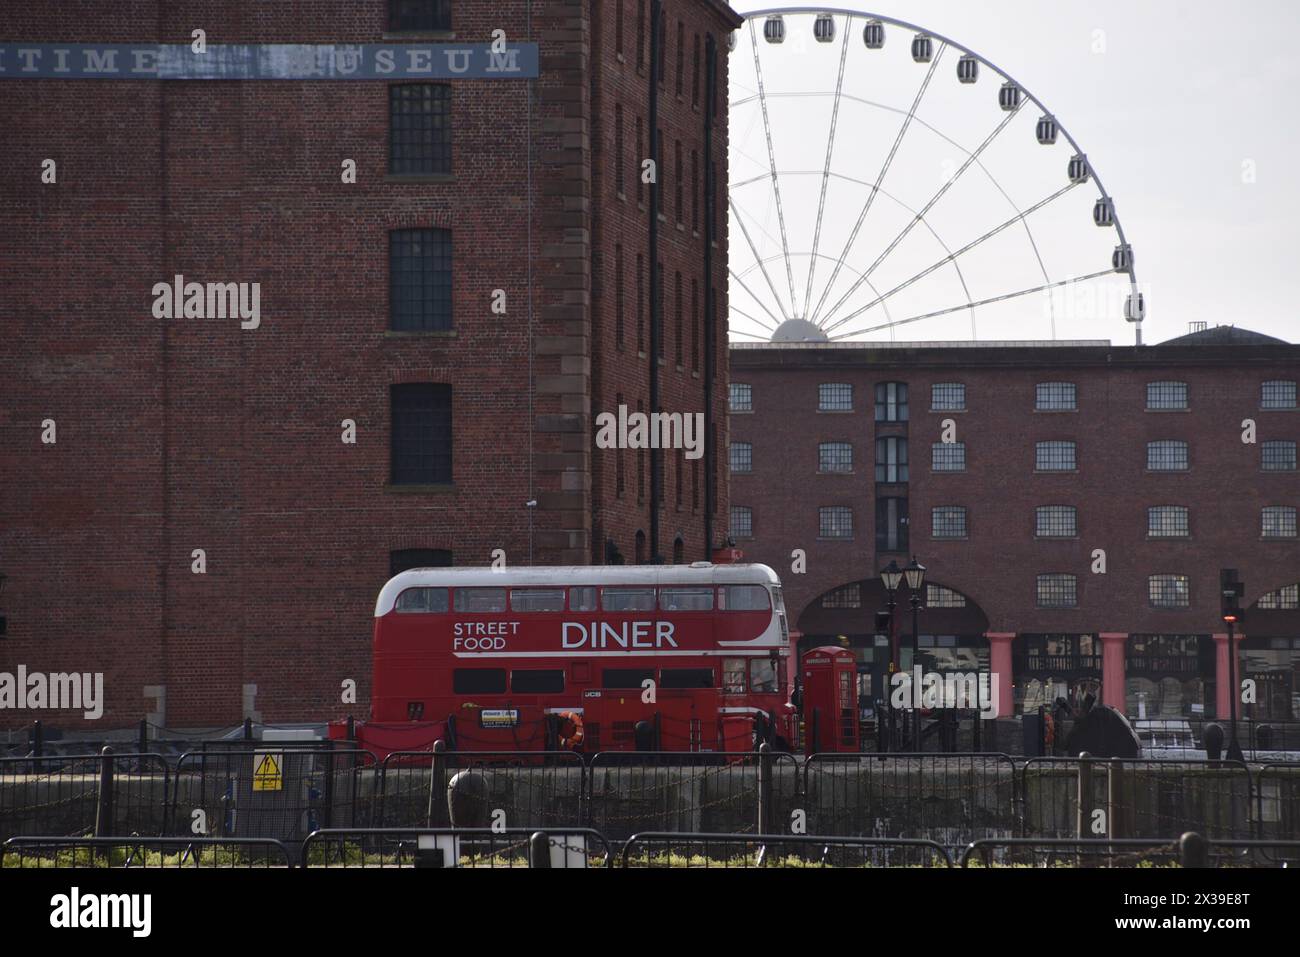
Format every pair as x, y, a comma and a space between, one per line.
180, 434
997, 565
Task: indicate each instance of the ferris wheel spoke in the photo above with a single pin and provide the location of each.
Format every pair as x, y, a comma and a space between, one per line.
756, 321
826, 169
761, 304
971, 159
771, 159
866, 207
740, 221
973, 305
950, 258
750, 335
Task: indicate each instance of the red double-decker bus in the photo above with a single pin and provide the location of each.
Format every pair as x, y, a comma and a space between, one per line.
601, 658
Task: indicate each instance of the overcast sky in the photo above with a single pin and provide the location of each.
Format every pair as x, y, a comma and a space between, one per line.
1184, 107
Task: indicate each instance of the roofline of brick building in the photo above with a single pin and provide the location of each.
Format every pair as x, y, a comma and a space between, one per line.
821, 355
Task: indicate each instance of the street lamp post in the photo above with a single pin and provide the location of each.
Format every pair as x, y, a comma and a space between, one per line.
891, 575
915, 574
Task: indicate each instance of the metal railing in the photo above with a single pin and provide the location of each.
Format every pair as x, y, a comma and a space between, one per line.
726, 851
511, 847
144, 852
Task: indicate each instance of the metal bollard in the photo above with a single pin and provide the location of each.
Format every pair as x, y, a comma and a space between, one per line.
1193, 850
104, 806
437, 785
764, 788
539, 850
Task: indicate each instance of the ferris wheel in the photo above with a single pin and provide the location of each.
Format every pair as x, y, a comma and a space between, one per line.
884, 177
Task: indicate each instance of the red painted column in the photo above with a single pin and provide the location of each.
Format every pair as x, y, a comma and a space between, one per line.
1112, 668
1222, 688
1000, 665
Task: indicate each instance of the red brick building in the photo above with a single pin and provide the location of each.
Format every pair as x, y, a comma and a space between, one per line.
205, 511
1074, 504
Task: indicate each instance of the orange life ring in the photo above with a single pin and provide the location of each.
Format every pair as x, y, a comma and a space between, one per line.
574, 738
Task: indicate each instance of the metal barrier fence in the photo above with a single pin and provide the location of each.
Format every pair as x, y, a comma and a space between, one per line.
511, 847
542, 789
694, 791
267, 790
948, 798
102, 793
1134, 798
1191, 850
143, 852
263, 789
727, 851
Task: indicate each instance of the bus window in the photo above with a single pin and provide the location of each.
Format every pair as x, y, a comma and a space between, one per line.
479, 681
628, 599
582, 599
422, 600
733, 675
762, 676
537, 599
744, 598
625, 677
686, 599
480, 599
537, 682
686, 678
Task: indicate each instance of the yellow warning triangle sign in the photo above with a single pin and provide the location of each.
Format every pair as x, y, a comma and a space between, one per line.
266, 776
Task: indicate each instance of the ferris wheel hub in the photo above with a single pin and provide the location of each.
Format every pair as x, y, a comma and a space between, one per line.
799, 330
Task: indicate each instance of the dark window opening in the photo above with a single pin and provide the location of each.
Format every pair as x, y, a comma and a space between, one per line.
478, 681
686, 678
419, 280
626, 678
421, 434
537, 682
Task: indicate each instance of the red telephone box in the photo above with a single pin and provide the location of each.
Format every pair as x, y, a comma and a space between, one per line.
830, 701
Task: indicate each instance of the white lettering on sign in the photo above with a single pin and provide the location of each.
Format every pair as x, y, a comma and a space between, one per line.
628, 634
481, 628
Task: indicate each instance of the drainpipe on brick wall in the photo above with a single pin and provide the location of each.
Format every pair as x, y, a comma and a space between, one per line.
656, 462
710, 320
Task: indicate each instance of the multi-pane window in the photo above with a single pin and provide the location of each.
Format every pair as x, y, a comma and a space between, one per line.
936, 596
1168, 521
695, 191
403, 559
1278, 394
1169, 591
420, 437
835, 397
948, 521
1055, 457
679, 182
419, 279
419, 128
695, 74
1284, 599
1278, 456
1056, 521
419, 16
620, 161
680, 87
619, 296
948, 397
891, 402
641, 33
835, 521
850, 596
948, 457
835, 457
1056, 397
679, 326
891, 525
742, 397
742, 522
1058, 591
1279, 521
1166, 395
640, 158
891, 459
1167, 456
742, 457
